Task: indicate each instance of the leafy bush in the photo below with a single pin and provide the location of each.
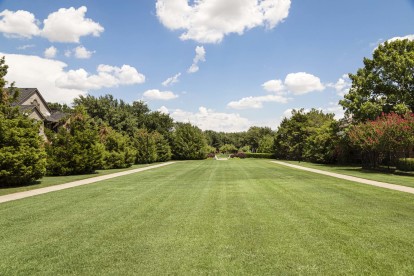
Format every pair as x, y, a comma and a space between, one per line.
405, 164
260, 155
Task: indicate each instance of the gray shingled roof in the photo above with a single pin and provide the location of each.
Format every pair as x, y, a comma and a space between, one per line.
24, 94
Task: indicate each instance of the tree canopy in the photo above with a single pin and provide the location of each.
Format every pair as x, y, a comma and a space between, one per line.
385, 84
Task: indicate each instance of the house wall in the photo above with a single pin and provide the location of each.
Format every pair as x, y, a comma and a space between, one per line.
41, 106
37, 117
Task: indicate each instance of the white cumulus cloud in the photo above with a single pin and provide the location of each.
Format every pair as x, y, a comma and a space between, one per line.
208, 119
295, 83
50, 52
33, 71
18, 24
303, 83
409, 37
69, 25
163, 110
275, 86
155, 94
107, 76
256, 102
82, 53
342, 86
199, 57
208, 21
171, 80
64, 25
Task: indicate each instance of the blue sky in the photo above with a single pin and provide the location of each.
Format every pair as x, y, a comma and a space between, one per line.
236, 63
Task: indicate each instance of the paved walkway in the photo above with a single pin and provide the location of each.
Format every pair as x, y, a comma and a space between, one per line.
45, 190
352, 178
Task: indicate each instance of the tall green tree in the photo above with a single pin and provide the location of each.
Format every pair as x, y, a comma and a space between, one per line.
266, 144
22, 154
254, 135
163, 147
189, 142
145, 146
76, 148
385, 84
310, 136
119, 152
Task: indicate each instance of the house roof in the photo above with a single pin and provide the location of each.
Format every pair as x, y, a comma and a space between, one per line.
30, 109
25, 93
56, 116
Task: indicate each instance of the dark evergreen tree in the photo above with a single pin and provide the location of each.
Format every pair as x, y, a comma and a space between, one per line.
76, 148
22, 154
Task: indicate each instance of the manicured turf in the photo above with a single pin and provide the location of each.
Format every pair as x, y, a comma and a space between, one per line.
56, 180
211, 217
404, 180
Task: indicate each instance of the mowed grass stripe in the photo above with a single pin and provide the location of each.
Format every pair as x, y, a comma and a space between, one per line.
211, 217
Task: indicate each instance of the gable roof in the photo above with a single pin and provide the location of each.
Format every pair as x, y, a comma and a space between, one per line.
30, 109
25, 93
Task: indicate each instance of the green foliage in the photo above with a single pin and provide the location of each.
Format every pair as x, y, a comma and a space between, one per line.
60, 107
211, 149
124, 117
189, 142
245, 149
119, 152
228, 148
266, 144
260, 155
322, 143
145, 146
385, 84
163, 147
405, 164
307, 136
76, 148
22, 154
254, 135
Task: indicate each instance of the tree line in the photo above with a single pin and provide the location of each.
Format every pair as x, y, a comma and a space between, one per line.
105, 133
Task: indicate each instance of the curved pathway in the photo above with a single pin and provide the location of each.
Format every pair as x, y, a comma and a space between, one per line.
352, 178
45, 190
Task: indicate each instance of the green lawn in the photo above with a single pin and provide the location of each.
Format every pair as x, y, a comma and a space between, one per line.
404, 180
55, 180
211, 217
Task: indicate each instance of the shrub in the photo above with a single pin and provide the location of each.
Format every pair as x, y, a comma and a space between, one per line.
211, 155
260, 155
405, 164
241, 155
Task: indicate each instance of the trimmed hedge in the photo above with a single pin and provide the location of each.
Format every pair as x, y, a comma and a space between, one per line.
260, 155
405, 164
